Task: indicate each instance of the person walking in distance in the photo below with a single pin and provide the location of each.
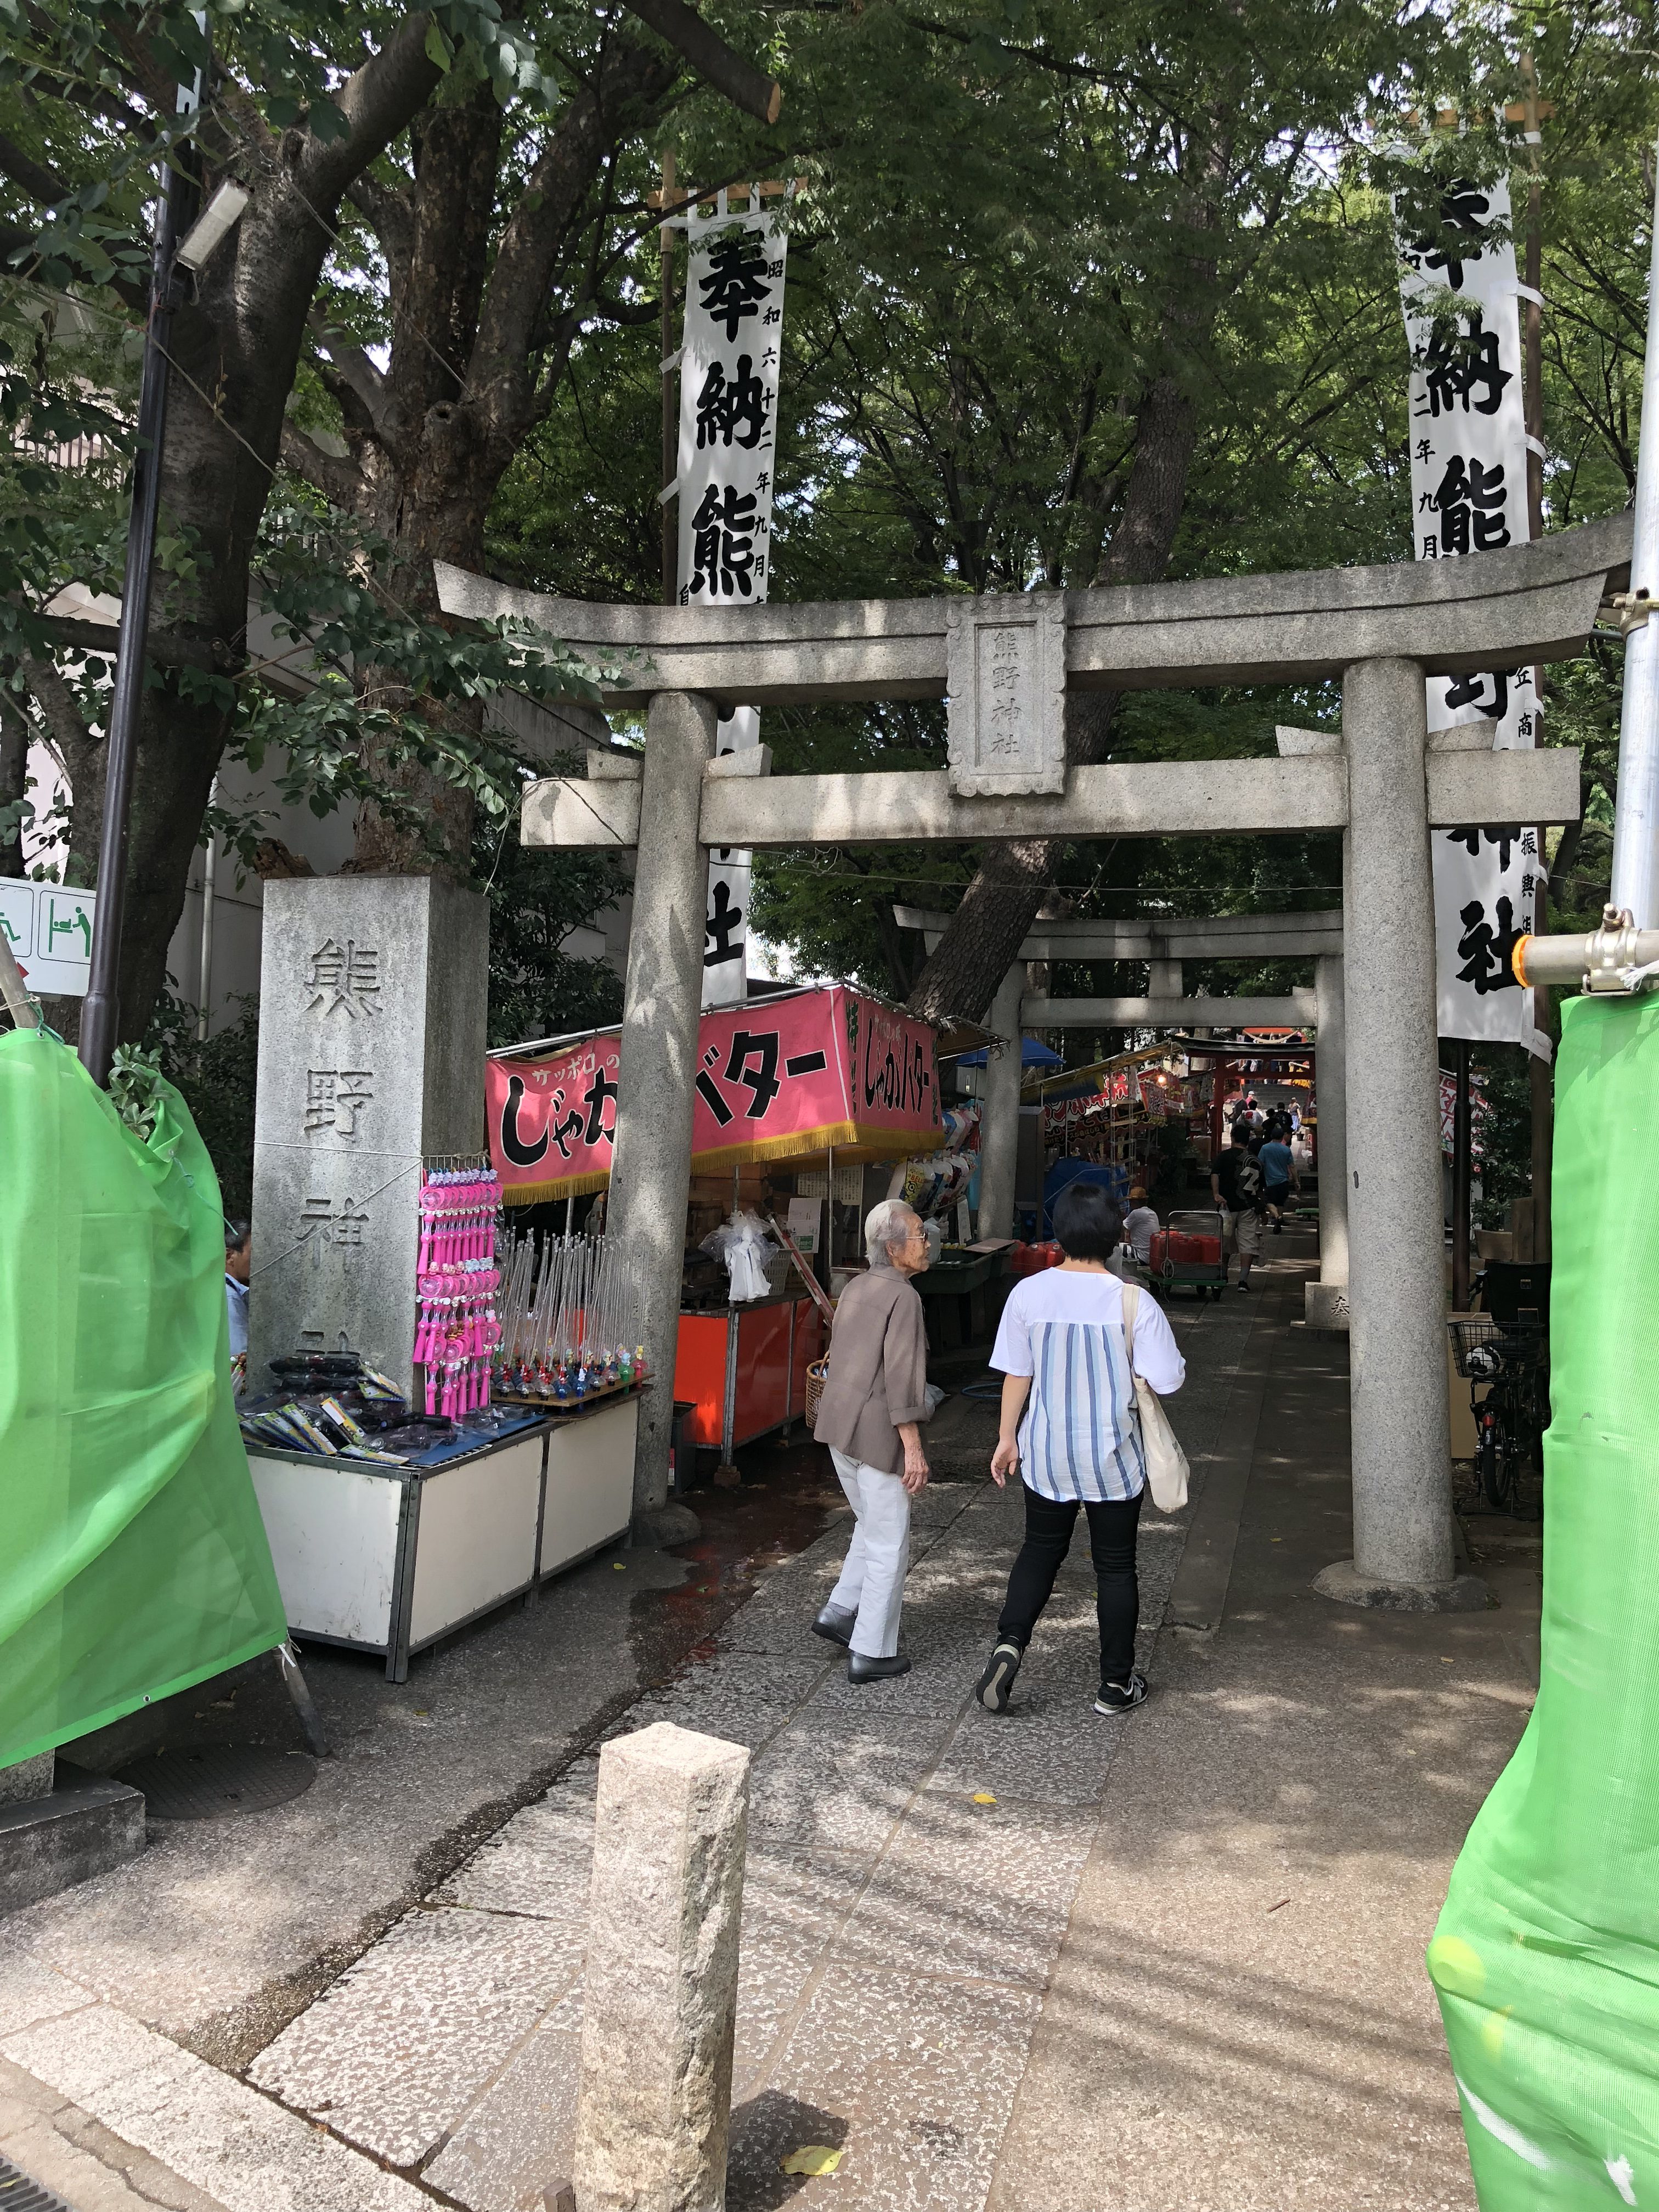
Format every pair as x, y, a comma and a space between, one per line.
1070, 1432
875, 1399
1140, 1227
1280, 1185
1236, 1185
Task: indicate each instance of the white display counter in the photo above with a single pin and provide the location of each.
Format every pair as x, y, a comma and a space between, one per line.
391, 1559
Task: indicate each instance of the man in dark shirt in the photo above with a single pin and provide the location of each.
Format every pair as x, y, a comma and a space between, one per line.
1236, 1185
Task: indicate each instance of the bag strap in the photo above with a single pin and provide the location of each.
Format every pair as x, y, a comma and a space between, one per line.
1130, 1291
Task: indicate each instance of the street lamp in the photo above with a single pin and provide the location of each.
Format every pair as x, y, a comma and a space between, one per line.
211, 228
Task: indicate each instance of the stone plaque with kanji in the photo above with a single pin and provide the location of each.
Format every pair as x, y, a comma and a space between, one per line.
1005, 672
371, 1033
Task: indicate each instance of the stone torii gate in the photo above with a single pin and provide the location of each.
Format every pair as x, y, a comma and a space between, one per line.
1004, 664
1165, 943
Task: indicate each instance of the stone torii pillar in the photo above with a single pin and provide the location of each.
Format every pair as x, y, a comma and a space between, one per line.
1327, 1298
998, 1132
1400, 1442
662, 1004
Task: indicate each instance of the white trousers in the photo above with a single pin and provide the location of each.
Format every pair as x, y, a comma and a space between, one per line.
873, 1580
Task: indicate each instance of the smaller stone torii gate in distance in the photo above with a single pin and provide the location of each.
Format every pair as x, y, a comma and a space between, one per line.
1165, 943
1005, 664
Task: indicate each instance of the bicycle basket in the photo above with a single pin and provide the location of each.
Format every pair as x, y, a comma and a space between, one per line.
1484, 1349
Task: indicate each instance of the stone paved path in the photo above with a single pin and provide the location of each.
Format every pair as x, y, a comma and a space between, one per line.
898, 1931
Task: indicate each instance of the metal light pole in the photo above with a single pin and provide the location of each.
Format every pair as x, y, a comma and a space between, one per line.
101, 1009
1635, 816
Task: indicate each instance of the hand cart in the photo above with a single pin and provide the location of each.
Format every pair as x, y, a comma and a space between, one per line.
1170, 1272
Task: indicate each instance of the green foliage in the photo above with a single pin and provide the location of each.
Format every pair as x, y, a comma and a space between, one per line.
216, 1078
133, 1075
336, 589
1505, 1131
536, 899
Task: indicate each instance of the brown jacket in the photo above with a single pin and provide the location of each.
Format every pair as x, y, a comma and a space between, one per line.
877, 1369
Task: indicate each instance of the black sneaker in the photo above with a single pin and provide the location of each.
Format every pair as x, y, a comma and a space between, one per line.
997, 1682
1122, 1697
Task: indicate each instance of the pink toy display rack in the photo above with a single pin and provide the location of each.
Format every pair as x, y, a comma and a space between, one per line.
457, 1328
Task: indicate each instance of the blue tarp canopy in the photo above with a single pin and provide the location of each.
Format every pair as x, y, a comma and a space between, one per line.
1032, 1053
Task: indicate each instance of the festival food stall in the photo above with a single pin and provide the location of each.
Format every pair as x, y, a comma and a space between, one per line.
1112, 1113
795, 1095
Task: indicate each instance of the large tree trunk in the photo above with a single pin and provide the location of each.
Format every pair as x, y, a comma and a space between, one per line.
14, 771
1000, 903
463, 389
234, 349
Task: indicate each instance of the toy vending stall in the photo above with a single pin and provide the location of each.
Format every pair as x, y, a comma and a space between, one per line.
1114, 1104
826, 1080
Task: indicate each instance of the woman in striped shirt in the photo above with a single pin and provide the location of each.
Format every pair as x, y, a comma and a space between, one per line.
1070, 1430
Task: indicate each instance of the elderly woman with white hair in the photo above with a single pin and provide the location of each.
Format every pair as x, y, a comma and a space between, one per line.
875, 1400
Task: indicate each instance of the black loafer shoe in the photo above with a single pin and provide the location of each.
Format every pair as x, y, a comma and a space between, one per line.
860, 1668
834, 1626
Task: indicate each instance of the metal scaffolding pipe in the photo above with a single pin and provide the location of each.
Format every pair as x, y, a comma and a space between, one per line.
1636, 814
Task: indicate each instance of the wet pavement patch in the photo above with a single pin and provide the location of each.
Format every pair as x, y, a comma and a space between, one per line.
213, 1781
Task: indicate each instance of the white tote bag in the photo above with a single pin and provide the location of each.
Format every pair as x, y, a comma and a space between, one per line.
1166, 1463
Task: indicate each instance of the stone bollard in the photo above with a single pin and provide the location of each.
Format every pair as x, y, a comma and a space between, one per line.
653, 2108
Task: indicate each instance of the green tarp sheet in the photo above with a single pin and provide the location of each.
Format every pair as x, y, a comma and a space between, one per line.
1546, 1959
133, 1561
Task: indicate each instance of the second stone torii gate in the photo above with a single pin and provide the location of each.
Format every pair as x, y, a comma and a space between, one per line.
1165, 943
1005, 664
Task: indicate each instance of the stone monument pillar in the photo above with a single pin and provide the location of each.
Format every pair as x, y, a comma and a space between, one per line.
651, 1170
1403, 1528
999, 1126
373, 993
1327, 1300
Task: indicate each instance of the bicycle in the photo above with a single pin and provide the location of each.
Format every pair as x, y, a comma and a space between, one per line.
1505, 1358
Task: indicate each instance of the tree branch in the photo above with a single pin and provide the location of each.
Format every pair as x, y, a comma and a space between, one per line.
356, 370
81, 754
742, 83
166, 647
392, 217
39, 182
628, 313
377, 101
338, 479
518, 287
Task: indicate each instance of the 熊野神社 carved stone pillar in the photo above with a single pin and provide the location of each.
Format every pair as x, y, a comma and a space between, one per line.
1401, 1458
373, 1004
650, 1171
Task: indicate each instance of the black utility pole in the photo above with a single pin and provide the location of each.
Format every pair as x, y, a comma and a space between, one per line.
101, 1009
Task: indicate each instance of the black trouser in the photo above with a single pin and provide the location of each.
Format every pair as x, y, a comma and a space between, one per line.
1048, 1525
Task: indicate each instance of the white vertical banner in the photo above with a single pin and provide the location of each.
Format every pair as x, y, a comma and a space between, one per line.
1468, 464
729, 367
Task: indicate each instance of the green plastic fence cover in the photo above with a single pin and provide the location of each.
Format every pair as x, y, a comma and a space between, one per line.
133, 1561
1546, 1959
